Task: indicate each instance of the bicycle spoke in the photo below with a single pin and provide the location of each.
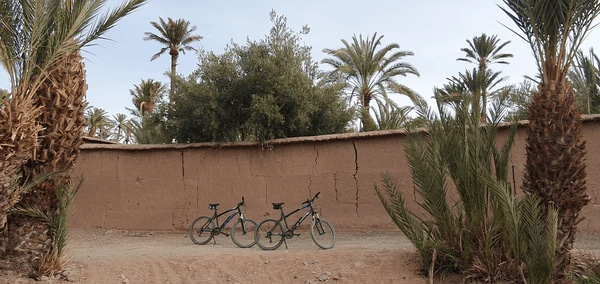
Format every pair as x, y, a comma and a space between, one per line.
269, 234
242, 233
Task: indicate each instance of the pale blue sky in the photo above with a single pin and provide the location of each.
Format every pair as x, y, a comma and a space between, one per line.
435, 30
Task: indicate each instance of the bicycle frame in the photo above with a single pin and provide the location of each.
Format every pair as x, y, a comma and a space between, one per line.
310, 211
216, 216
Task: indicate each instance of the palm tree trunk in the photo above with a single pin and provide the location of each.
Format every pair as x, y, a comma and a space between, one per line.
555, 168
18, 137
368, 124
173, 73
61, 98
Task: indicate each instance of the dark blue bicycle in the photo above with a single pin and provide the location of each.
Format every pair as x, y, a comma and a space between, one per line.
204, 228
271, 233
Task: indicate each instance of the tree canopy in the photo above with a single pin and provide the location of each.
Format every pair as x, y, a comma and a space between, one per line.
258, 91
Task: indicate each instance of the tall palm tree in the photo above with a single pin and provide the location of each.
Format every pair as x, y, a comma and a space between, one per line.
555, 168
175, 36
369, 72
98, 122
146, 95
585, 77
40, 42
484, 51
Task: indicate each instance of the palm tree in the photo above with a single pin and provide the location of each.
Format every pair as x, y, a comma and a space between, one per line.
391, 116
122, 128
98, 122
40, 43
175, 36
555, 168
146, 95
585, 77
371, 73
484, 51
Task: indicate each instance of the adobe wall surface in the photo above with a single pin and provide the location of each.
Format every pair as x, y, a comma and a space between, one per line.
164, 187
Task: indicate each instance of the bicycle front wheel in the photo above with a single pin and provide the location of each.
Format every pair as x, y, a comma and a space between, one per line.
242, 233
201, 230
322, 232
269, 234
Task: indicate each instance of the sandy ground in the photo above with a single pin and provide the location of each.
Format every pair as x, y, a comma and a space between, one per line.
125, 257
111, 256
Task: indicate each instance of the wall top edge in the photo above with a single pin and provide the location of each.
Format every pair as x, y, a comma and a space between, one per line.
99, 144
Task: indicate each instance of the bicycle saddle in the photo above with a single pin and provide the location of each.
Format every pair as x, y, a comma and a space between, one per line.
277, 205
213, 206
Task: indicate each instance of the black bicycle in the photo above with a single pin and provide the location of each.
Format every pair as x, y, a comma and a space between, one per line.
271, 233
204, 228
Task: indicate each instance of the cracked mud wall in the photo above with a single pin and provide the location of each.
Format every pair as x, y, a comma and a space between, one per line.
164, 187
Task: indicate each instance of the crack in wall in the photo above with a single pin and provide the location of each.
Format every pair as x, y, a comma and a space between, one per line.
315, 169
355, 173
182, 166
310, 185
335, 187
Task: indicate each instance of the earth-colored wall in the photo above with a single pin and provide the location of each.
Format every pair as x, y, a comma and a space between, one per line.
164, 187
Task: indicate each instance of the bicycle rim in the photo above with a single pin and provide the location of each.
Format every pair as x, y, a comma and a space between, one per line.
322, 233
242, 233
201, 230
269, 234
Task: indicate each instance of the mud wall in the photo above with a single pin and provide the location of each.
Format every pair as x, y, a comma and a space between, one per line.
164, 187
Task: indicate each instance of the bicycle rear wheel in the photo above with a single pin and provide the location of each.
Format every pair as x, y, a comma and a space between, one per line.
322, 233
269, 234
201, 230
242, 233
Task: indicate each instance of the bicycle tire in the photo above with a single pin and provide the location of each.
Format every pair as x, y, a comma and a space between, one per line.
269, 234
241, 239
201, 230
324, 238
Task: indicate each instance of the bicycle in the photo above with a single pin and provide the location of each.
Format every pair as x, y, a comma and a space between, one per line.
204, 228
270, 233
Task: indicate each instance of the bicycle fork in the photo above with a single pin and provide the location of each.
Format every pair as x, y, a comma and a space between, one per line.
318, 224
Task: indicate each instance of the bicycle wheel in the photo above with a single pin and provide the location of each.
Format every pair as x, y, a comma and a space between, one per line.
201, 230
243, 236
269, 234
322, 232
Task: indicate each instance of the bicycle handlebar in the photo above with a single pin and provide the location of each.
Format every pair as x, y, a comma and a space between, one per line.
242, 203
313, 199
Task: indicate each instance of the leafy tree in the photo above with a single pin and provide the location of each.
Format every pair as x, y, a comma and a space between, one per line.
555, 169
484, 51
260, 91
370, 73
176, 36
40, 43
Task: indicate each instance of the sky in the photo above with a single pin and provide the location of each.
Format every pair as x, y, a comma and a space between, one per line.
434, 30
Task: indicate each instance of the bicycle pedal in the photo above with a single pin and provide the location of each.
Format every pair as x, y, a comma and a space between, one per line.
225, 233
297, 235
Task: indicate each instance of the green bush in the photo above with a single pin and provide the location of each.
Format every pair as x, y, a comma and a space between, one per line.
470, 220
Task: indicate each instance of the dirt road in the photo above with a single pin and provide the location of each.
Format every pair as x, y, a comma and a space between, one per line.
111, 256
124, 257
